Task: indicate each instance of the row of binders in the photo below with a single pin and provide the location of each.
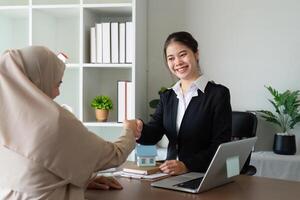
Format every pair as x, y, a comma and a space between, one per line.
111, 42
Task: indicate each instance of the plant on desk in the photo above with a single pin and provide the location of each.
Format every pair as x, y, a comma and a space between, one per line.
286, 116
102, 105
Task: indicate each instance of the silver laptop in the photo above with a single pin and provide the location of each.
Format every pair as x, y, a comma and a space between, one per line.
224, 167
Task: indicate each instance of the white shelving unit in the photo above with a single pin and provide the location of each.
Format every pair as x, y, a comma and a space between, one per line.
64, 25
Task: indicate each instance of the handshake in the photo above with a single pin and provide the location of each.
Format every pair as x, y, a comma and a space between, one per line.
136, 125
173, 167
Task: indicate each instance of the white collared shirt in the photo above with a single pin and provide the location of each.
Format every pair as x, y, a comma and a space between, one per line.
184, 99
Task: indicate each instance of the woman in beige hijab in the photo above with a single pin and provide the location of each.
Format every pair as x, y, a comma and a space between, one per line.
45, 152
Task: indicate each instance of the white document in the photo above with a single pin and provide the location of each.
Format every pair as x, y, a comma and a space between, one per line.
114, 42
129, 42
125, 101
93, 45
106, 42
130, 101
121, 101
141, 176
99, 44
122, 39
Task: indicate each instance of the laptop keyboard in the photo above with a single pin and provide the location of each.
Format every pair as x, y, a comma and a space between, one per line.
192, 184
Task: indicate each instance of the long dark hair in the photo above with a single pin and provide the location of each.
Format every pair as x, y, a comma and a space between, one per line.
183, 37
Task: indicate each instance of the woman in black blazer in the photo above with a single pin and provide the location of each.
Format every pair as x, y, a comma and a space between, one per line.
195, 114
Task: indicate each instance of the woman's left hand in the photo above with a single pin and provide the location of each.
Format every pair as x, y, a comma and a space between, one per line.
173, 167
104, 183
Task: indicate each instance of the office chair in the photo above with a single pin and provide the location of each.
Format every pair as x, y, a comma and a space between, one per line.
244, 125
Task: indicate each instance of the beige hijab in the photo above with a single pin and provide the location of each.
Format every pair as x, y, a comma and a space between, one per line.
33, 125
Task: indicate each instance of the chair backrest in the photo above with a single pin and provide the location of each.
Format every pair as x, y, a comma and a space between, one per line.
244, 125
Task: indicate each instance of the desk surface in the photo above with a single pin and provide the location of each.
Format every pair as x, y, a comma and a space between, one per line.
244, 188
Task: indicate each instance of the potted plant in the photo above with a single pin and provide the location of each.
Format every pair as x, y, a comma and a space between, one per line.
102, 105
286, 116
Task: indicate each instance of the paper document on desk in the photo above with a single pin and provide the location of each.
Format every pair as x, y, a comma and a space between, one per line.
150, 177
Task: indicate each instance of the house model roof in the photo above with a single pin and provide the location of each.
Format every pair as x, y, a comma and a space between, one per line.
145, 150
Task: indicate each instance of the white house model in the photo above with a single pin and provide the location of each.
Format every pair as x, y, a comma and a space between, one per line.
145, 155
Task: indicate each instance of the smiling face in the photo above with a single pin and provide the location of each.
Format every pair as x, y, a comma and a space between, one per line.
182, 61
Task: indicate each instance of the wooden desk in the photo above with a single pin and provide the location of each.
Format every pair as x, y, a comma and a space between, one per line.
244, 188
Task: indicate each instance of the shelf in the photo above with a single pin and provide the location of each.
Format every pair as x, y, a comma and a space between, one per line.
103, 124
102, 81
94, 15
72, 65
13, 8
54, 2
100, 65
58, 29
64, 26
111, 9
56, 6
105, 1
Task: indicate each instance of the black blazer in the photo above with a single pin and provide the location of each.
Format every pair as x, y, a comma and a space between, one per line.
205, 125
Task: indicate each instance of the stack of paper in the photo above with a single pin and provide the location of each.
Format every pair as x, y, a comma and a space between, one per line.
150, 177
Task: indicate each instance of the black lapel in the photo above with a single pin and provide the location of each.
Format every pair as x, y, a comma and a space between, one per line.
174, 108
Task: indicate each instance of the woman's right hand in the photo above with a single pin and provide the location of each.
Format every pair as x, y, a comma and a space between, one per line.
135, 125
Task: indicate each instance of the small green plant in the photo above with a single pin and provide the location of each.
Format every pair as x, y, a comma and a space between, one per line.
102, 102
287, 113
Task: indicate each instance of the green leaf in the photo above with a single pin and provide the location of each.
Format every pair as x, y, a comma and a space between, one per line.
286, 106
275, 106
295, 121
102, 102
162, 89
153, 103
269, 116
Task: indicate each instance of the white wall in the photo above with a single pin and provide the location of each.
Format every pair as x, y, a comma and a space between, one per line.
244, 44
161, 22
